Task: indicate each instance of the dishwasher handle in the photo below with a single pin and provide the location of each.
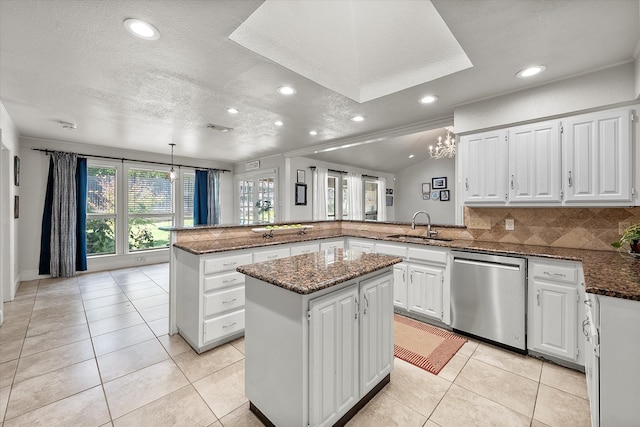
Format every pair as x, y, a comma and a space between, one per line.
487, 264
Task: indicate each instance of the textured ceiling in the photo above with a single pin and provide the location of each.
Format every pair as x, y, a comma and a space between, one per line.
74, 61
354, 47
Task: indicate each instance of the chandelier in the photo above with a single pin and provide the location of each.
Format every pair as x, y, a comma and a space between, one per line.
446, 148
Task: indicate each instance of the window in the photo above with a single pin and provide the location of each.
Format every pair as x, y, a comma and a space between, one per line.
188, 186
337, 197
101, 209
256, 199
371, 200
150, 206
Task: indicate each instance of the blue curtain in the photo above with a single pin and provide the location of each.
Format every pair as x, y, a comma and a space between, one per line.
44, 266
81, 221
200, 196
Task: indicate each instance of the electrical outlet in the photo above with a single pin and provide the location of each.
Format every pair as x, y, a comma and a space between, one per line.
623, 226
509, 224
480, 223
139, 259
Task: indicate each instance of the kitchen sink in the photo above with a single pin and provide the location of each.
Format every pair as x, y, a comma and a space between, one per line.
418, 239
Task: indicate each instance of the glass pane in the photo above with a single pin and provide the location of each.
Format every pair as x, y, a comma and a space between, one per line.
265, 209
331, 197
149, 192
245, 196
145, 234
101, 236
189, 181
371, 200
101, 190
345, 198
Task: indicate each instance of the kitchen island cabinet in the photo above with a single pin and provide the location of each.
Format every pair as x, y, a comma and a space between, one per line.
318, 335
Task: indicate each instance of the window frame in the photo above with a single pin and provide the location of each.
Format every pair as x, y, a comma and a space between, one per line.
117, 202
255, 177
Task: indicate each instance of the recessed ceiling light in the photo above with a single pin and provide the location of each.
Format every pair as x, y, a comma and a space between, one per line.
232, 111
530, 71
411, 156
313, 132
428, 99
286, 90
141, 29
357, 118
278, 123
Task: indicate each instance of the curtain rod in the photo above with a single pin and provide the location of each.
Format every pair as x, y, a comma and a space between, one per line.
370, 176
46, 151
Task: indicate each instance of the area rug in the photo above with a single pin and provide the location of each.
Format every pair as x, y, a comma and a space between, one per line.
422, 345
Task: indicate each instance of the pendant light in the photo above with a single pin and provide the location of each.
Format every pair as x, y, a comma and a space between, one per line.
172, 172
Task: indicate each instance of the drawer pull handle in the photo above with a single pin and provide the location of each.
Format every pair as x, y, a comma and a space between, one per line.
229, 325
272, 256
230, 280
226, 264
228, 301
555, 274
570, 180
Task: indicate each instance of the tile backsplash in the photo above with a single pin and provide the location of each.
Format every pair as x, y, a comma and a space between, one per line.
582, 228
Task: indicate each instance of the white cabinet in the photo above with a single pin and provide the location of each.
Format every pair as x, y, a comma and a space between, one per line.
361, 245
210, 297
554, 307
304, 248
271, 254
376, 331
484, 167
425, 290
400, 288
597, 158
332, 244
534, 163
333, 356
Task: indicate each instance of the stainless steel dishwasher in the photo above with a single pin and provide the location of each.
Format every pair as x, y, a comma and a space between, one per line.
488, 297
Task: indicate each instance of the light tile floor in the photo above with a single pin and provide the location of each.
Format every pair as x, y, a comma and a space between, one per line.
94, 351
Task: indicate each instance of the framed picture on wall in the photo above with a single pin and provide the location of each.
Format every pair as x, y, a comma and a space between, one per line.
16, 206
301, 194
426, 196
426, 188
439, 183
16, 170
389, 200
444, 195
300, 176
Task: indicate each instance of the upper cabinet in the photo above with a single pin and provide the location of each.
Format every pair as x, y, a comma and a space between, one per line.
582, 160
597, 157
484, 167
534, 163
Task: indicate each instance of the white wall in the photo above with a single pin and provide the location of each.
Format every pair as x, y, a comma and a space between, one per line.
35, 167
9, 259
409, 199
588, 91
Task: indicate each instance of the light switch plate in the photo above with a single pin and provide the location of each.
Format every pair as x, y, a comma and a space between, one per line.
480, 223
509, 224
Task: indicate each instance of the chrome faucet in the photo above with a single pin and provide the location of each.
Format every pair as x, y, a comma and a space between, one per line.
430, 233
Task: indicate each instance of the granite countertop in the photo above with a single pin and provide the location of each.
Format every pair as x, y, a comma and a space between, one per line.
308, 273
606, 272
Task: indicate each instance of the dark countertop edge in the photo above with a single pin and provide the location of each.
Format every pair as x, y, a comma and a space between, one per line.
293, 287
205, 227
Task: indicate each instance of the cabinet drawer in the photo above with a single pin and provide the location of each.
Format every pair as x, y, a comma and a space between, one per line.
430, 255
554, 272
226, 300
224, 263
270, 255
399, 251
223, 326
332, 245
219, 281
304, 249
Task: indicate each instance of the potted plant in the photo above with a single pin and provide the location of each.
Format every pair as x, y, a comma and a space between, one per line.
631, 235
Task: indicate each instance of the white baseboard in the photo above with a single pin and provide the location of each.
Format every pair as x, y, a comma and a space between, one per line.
110, 262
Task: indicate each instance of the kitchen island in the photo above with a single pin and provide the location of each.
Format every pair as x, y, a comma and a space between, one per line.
318, 335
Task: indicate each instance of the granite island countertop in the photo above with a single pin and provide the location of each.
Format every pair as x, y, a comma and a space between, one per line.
606, 272
308, 273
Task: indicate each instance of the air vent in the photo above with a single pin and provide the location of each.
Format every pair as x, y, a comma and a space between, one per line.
218, 127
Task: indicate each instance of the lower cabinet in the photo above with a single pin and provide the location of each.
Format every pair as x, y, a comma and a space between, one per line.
555, 305
400, 289
425, 290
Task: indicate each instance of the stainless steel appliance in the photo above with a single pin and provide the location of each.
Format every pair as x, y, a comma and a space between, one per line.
488, 297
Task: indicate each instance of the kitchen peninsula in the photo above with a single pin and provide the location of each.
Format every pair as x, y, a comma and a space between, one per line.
318, 335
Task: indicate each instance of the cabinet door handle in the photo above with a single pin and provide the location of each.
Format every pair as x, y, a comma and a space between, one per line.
357, 307
411, 277
404, 279
570, 180
538, 296
585, 325
366, 303
228, 301
587, 302
228, 326
466, 184
512, 182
